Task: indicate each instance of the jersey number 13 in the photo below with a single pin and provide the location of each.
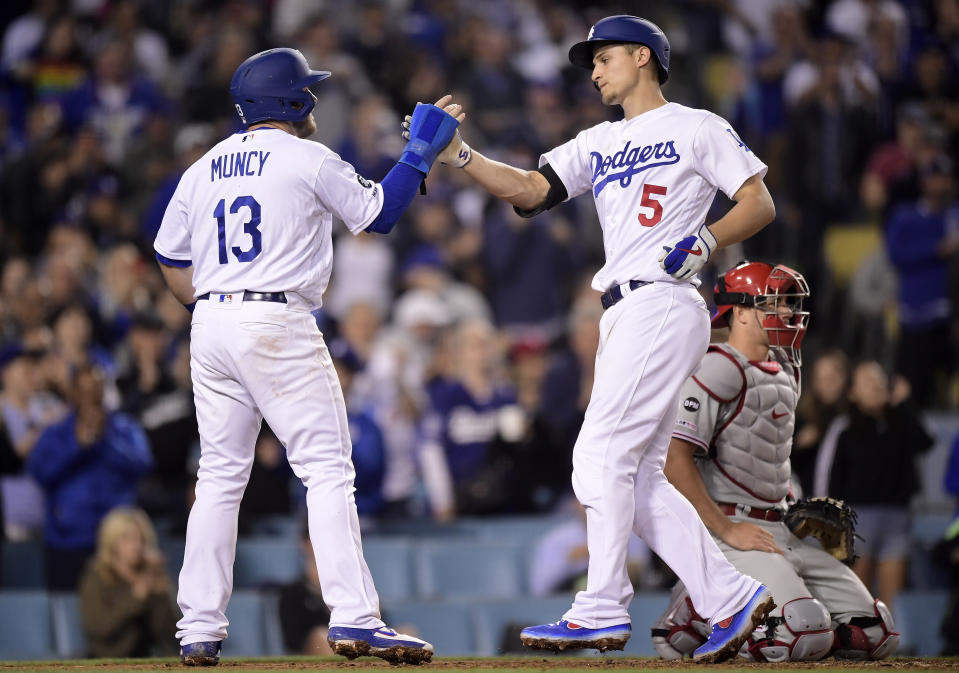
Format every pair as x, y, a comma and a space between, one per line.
250, 227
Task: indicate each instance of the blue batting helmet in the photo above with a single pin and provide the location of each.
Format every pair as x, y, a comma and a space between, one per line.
269, 85
619, 29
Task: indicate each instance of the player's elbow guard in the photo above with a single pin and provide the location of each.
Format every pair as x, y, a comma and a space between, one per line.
557, 193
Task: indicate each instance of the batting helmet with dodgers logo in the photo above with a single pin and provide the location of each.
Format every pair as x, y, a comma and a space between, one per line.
271, 85
617, 30
777, 291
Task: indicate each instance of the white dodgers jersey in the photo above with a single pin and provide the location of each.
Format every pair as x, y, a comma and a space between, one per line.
255, 213
653, 179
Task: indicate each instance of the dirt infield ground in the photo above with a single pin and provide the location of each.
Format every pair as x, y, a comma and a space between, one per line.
553, 664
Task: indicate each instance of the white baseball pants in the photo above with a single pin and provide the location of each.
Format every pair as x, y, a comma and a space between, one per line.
255, 360
650, 343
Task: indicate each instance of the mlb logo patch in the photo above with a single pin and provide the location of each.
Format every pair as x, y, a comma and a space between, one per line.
226, 298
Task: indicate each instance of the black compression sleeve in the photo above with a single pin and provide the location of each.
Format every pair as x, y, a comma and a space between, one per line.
557, 193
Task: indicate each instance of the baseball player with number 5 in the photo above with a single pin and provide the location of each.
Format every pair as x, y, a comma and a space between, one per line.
247, 239
652, 177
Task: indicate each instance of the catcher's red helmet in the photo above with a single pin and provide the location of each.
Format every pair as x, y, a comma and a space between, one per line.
777, 291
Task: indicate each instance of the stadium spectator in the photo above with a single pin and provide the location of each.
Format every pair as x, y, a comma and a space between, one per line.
471, 429
26, 411
528, 263
162, 404
832, 126
369, 449
922, 238
115, 100
874, 470
87, 464
569, 379
403, 359
269, 491
125, 594
822, 401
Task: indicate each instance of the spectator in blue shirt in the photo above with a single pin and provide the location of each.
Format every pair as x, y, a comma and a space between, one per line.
473, 423
369, 447
87, 464
921, 239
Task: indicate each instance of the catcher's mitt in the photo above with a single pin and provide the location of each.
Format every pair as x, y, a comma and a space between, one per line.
830, 521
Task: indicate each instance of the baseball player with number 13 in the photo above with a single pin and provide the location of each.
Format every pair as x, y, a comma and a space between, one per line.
652, 176
247, 234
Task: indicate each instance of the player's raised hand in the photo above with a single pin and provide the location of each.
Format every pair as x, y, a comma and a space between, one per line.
457, 153
685, 259
747, 536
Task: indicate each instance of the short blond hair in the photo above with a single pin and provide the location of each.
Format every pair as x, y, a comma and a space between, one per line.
112, 528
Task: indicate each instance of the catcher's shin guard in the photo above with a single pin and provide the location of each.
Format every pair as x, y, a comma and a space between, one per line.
803, 633
867, 637
680, 630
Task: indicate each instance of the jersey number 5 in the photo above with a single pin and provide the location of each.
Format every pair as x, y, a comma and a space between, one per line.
249, 227
649, 201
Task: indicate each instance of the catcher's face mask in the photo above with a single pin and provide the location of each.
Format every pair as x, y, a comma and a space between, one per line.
777, 292
784, 319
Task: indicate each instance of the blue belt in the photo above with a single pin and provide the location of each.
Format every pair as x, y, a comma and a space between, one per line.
615, 293
250, 295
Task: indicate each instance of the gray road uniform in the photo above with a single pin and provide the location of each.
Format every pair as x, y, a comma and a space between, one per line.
740, 414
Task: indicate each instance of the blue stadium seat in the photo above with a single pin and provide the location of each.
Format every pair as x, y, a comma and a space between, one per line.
447, 625
391, 563
469, 569
284, 526
492, 618
23, 565
643, 611
917, 615
68, 636
266, 561
273, 629
25, 627
246, 634
524, 529
928, 529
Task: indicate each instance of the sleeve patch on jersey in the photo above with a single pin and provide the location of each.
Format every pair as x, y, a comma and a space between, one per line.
689, 425
364, 182
691, 404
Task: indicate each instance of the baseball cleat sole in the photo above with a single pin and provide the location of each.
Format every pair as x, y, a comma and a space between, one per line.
601, 644
397, 654
199, 660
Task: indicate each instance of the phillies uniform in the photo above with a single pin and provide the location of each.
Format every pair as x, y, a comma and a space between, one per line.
652, 178
740, 415
254, 218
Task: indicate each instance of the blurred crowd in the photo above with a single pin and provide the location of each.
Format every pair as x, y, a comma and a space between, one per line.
465, 339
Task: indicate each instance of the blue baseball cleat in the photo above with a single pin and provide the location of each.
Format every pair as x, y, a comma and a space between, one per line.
200, 654
384, 642
729, 634
564, 635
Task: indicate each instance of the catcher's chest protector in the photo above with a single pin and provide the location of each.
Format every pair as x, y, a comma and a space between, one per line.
755, 433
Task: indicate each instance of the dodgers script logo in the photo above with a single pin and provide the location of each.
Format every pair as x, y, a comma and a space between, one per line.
632, 161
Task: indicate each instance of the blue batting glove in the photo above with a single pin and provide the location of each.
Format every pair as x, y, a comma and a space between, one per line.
686, 258
431, 129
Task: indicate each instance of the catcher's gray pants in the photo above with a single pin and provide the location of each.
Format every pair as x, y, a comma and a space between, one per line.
802, 571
